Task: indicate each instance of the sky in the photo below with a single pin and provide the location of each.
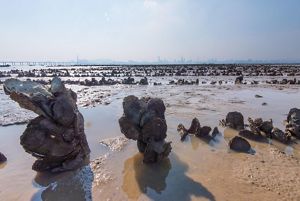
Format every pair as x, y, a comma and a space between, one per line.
143, 30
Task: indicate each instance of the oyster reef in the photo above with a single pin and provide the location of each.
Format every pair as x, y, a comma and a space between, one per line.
56, 137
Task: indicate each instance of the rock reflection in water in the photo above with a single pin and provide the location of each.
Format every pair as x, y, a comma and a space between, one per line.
216, 143
72, 185
162, 181
2, 165
139, 176
195, 141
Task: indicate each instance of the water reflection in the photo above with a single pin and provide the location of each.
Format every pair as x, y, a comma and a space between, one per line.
2, 165
139, 176
218, 142
163, 181
195, 141
72, 185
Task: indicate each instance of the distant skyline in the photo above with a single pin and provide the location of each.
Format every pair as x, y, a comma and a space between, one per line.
146, 30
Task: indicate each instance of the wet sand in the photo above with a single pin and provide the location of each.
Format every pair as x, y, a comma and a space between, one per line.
195, 170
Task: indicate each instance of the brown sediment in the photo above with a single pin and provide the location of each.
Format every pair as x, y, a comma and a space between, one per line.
273, 171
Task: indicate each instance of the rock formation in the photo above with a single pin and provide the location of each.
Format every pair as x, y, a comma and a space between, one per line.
2, 158
56, 137
196, 129
293, 119
234, 120
260, 129
144, 81
239, 80
239, 144
252, 136
281, 136
144, 121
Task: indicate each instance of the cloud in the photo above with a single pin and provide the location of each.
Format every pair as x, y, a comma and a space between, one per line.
106, 16
150, 4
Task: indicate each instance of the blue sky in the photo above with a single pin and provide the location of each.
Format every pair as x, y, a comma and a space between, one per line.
145, 29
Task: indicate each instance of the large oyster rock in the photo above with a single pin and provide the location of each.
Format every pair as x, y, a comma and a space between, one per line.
293, 126
284, 137
235, 120
144, 121
239, 80
56, 137
24, 93
239, 144
2, 158
294, 116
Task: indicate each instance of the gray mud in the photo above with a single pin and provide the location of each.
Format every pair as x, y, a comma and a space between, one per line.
195, 170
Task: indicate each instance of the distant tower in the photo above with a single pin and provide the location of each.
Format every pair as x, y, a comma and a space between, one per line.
158, 59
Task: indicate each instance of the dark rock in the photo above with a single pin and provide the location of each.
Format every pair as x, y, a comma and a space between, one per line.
239, 80
56, 137
197, 130
155, 129
2, 158
141, 146
250, 135
183, 132
195, 126
158, 106
239, 144
183, 136
294, 116
267, 127
144, 81
150, 156
133, 109
144, 121
128, 80
203, 131
235, 120
260, 127
129, 129
293, 130
281, 136
293, 126
258, 96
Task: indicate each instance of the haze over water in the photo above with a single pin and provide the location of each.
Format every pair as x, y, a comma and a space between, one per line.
150, 30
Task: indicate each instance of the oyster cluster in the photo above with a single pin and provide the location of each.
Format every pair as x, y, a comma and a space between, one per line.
265, 129
144, 121
234, 120
293, 122
56, 137
199, 131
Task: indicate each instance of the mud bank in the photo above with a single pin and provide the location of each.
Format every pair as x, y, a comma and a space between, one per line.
12, 114
195, 169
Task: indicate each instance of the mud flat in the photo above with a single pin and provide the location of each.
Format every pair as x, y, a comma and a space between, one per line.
11, 113
195, 169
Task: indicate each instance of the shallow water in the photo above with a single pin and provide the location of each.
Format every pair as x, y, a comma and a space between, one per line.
195, 170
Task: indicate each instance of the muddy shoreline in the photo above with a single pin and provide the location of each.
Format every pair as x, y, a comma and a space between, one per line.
195, 170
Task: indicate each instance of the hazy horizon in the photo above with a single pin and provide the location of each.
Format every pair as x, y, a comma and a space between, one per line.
146, 30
